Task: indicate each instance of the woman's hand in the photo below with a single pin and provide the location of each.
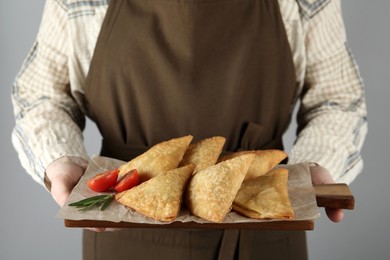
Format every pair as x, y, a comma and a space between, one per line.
320, 175
63, 174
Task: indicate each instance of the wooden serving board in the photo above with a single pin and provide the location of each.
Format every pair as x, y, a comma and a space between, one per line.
336, 195
329, 195
269, 225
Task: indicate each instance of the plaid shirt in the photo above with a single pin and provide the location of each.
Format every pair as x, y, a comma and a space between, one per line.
48, 93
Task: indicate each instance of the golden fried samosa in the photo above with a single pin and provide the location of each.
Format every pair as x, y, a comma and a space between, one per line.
211, 191
264, 161
161, 197
265, 197
204, 153
160, 158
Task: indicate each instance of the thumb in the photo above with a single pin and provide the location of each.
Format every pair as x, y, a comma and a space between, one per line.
60, 192
321, 175
63, 175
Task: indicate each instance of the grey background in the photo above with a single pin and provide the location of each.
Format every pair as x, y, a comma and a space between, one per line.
30, 230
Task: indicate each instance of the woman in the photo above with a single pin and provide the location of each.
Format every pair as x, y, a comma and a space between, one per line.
148, 71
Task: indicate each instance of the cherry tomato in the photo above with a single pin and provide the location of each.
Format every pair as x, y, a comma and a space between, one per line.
128, 181
103, 181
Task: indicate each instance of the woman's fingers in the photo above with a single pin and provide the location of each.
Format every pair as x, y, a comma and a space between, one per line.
63, 176
335, 215
320, 175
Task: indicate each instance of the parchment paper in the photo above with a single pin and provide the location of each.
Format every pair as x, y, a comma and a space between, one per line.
300, 189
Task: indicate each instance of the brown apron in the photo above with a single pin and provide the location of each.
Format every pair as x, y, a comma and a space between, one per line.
168, 68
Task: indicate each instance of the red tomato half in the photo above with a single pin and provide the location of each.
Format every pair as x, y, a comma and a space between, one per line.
128, 181
103, 181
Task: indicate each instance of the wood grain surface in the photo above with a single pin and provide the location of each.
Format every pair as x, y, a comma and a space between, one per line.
328, 195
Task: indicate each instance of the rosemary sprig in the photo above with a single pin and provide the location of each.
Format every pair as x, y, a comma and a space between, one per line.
102, 201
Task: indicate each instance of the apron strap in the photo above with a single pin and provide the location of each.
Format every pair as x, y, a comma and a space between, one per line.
229, 242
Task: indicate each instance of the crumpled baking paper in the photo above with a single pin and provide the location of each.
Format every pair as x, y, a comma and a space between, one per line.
300, 189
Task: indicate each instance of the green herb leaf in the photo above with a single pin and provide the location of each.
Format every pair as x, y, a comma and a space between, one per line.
95, 201
107, 202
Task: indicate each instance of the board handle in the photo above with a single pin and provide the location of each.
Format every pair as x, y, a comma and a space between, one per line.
336, 195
